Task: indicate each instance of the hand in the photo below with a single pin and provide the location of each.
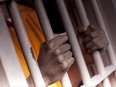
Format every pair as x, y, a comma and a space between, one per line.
95, 39
55, 59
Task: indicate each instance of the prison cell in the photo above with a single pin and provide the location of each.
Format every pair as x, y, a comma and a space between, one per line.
103, 72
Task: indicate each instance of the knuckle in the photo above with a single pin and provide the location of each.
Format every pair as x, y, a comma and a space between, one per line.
72, 60
68, 45
97, 44
70, 53
60, 59
64, 66
50, 45
92, 43
57, 52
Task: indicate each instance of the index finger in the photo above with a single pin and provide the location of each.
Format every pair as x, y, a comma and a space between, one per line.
57, 41
90, 29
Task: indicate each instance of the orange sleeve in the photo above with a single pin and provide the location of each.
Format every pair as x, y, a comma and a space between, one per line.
35, 35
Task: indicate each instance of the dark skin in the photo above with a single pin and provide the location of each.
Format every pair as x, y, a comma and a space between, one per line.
95, 39
88, 50
55, 54
55, 59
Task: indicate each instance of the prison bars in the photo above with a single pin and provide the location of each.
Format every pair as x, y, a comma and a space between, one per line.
52, 33
77, 41
66, 81
48, 32
102, 25
25, 45
85, 22
9, 59
96, 55
73, 41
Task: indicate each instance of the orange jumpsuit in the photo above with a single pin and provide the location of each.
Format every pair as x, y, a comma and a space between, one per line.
35, 35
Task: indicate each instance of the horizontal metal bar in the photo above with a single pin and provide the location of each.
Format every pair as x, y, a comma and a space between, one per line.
94, 81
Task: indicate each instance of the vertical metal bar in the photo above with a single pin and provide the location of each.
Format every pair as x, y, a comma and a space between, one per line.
25, 45
9, 59
82, 13
96, 54
42, 15
102, 25
73, 41
48, 33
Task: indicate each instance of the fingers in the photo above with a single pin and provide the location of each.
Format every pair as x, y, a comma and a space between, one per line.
92, 35
60, 34
64, 57
89, 29
55, 56
62, 49
70, 61
65, 65
81, 29
95, 44
57, 41
67, 55
92, 49
89, 45
87, 39
65, 60
95, 39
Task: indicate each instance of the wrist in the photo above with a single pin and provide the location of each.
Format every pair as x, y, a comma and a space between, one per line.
46, 81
